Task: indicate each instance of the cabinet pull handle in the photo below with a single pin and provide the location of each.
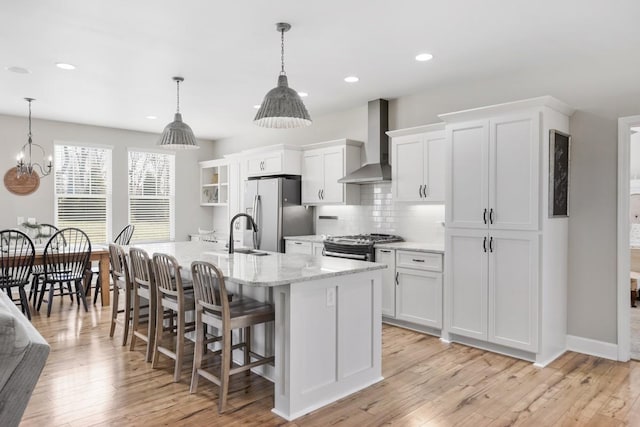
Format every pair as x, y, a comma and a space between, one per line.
420, 191
322, 193
484, 243
491, 244
318, 194
385, 251
484, 216
417, 260
397, 281
491, 216
424, 190
297, 243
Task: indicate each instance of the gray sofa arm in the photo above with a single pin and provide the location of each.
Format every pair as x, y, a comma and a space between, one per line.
23, 353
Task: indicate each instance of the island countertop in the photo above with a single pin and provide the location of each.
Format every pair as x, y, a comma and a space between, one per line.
273, 269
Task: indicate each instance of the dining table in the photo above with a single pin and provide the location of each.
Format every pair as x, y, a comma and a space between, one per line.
99, 253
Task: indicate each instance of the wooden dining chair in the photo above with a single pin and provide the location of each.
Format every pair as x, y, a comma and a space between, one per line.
45, 232
16, 262
171, 296
123, 238
122, 282
66, 257
144, 286
214, 309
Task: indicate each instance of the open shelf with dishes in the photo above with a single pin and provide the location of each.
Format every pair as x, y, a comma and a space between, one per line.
214, 183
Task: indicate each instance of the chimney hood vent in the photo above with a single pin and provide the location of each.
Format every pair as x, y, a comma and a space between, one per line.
377, 168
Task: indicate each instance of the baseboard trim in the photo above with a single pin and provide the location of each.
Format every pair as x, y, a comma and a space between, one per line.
592, 347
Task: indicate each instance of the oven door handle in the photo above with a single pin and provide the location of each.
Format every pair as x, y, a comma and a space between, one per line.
341, 255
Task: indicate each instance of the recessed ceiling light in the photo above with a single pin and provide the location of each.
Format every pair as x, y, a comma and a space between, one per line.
18, 70
351, 79
424, 57
257, 106
65, 66
151, 117
303, 94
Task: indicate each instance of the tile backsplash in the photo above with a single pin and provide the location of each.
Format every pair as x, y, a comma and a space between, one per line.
378, 213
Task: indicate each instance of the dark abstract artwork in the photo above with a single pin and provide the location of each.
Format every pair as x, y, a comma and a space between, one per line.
559, 156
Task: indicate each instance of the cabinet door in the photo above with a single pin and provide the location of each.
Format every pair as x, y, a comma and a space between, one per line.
312, 176
466, 279
296, 247
333, 166
468, 176
318, 249
435, 153
513, 289
514, 146
267, 164
408, 168
419, 297
388, 256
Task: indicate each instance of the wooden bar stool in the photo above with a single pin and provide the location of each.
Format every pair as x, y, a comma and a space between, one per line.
171, 295
143, 286
122, 282
214, 309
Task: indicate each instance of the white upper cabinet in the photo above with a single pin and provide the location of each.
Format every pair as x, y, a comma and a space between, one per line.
418, 164
493, 180
273, 160
323, 165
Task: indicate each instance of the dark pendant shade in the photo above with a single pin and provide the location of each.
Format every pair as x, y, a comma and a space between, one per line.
282, 108
177, 135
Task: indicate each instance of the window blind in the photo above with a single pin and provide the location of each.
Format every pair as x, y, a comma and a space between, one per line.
83, 190
152, 196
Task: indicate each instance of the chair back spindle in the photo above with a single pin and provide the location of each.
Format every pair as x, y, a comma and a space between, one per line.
209, 287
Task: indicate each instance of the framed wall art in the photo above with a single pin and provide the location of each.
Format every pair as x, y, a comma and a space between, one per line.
559, 172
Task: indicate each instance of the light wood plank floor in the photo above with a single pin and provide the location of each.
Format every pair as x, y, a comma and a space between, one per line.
90, 379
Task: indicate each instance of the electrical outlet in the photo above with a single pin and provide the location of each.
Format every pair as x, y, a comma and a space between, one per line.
20, 220
31, 221
331, 297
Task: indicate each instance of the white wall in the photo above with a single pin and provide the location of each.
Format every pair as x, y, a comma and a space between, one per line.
634, 171
13, 133
592, 225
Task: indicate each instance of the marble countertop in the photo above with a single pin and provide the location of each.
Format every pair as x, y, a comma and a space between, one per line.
271, 270
313, 238
413, 246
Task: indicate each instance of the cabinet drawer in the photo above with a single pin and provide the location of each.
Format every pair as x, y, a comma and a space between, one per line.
419, 260
296, 247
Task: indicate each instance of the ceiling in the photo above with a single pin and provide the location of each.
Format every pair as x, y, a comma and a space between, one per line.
228, 52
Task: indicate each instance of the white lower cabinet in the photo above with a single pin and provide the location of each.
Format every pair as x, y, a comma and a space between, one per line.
419, 297
412, 287
388, 256
303, 247
492, 286
298, 247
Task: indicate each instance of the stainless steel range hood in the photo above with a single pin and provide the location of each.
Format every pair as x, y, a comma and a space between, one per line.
377, 168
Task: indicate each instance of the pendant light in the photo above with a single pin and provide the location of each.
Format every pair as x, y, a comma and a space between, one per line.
26, 166
177, 135
282, 106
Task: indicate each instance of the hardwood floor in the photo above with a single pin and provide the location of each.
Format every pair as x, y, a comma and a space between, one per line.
90, 379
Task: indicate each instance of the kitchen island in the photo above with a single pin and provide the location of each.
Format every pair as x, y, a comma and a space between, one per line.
327, 334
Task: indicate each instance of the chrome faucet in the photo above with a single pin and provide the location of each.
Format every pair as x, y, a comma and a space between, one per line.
253, 224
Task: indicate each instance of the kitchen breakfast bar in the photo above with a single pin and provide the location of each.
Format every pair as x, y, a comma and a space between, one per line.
326, 337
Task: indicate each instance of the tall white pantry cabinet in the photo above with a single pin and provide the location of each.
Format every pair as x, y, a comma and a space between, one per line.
506, 270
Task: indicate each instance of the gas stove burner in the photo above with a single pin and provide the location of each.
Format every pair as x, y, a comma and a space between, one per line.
365, 239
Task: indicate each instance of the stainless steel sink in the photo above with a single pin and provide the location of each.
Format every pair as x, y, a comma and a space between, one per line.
250, 252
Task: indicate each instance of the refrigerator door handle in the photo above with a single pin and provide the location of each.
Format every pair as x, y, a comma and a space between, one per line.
256, 219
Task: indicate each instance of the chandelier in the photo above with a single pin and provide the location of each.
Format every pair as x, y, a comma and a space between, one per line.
26, 165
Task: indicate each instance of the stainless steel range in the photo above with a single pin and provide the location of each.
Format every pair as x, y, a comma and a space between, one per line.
360, 246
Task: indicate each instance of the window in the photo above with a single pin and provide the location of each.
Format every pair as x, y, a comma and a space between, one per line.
152, 196
83, 190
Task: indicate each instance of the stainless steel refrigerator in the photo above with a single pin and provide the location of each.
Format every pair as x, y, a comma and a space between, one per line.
274, 204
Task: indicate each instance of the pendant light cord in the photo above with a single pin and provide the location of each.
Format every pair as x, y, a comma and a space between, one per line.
29, 122
178, 96
282, 53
